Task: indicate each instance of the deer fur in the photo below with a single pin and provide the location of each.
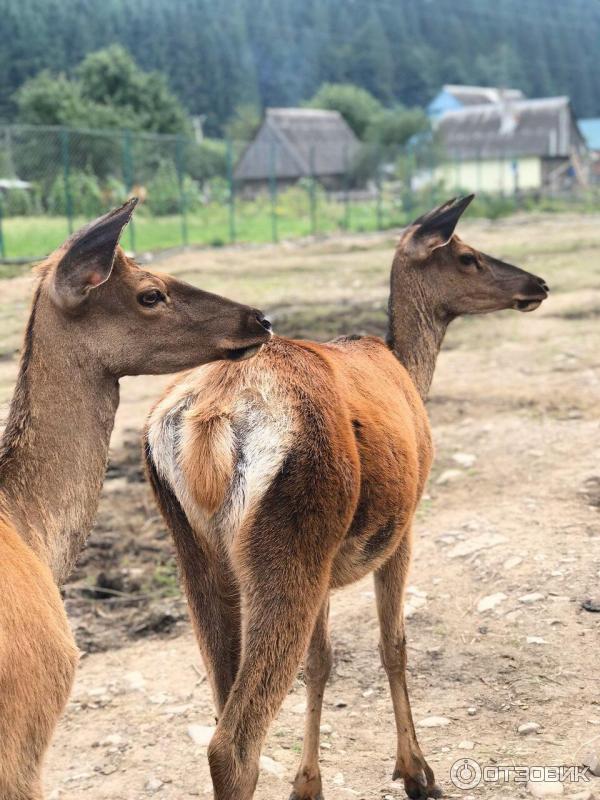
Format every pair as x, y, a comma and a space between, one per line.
96, 316
300, 472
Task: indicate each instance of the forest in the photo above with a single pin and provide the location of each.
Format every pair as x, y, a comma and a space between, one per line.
218, 55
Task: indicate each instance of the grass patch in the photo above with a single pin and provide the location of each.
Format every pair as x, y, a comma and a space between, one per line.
254, 222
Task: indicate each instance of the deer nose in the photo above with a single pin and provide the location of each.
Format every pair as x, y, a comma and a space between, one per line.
544, 285
263, 321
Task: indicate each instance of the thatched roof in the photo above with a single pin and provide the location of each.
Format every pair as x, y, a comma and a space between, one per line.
480, 95
542, 127
298, 142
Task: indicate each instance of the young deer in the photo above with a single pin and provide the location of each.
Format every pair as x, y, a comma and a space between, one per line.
96, 316
300, 472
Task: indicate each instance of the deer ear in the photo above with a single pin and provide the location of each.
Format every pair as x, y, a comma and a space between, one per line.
438, 225
89, 256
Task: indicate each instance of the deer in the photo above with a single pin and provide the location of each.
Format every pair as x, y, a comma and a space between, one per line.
300, 473
96, 316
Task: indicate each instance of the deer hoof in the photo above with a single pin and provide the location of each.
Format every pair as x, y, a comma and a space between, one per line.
417, 786
307, 785
296, 796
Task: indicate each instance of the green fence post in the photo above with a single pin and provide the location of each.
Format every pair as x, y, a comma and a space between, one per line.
180, 166
128, 177
313, 192
2, 250
433, 200
273, 191
346, 222
231, 194
411, 168
65, 148
378, 210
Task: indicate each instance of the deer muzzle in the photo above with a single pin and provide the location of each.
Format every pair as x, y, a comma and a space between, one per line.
532, 296
259, 330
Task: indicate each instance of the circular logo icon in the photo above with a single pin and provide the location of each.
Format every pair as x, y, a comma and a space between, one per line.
465, 773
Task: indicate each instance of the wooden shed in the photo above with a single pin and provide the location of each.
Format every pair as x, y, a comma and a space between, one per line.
294, 143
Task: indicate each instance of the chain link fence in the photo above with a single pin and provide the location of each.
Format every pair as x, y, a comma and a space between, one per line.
52, 180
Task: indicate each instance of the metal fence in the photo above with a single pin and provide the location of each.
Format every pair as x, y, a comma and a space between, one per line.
52, 180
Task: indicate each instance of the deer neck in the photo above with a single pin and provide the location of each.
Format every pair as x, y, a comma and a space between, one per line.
55, 446
416, 332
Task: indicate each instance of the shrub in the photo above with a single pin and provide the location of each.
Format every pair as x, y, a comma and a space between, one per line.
19, 203
206, 159
164, 191
356, 105
85, 193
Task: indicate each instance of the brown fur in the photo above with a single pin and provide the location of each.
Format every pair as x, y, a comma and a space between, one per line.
329, 452
86, 329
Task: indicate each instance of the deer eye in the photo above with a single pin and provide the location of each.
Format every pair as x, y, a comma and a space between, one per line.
467, 259
150, 298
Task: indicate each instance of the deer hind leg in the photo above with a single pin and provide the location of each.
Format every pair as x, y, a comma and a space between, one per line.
210, 587
317, 667
411, 765
280, 606
214, 604
283, 559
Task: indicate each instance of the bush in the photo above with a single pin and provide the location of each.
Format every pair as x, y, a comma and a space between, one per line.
294, 201
493, 206
395, 126
365, 166
356, 105
164, 192
114, 192
217, 191
19, 203
85, 193
206, 159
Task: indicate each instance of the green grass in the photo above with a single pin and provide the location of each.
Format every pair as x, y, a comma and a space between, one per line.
35, 237
258, 221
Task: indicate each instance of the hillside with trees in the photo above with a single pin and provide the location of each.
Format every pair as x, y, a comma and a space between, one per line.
218, 57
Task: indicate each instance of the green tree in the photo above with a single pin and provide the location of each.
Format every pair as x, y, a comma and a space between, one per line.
395, 126
206, 159
108, 90
278, 52
49, 100
356, 105
244, 123
372, 66
111, 78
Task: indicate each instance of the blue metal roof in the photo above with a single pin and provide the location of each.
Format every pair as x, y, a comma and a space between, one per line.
442, 102
590, 128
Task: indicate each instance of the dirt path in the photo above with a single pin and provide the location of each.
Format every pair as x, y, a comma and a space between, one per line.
507, 549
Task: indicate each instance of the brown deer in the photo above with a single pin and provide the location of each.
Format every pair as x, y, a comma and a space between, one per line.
300, 472
96, 316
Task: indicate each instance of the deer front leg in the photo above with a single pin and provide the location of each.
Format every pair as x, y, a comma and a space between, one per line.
390, 580
317, 667
281, 601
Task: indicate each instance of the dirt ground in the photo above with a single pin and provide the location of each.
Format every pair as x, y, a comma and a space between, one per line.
507, 553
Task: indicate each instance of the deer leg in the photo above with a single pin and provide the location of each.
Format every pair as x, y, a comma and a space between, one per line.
38, 658
317, 667
214, 604
390, 580
282, 597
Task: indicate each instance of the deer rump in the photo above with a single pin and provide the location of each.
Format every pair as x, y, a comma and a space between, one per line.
304, 431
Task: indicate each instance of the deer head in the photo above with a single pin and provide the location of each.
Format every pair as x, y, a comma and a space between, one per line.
454, 277
133, 320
